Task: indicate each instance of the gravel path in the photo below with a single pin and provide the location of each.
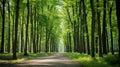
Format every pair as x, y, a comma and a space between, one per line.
56, 60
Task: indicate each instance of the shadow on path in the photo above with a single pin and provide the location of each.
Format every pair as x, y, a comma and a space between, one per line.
56, 60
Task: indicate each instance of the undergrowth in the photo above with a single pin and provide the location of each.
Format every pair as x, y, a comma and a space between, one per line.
88, 61
7, 57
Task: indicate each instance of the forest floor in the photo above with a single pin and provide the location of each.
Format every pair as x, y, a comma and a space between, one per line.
55, 60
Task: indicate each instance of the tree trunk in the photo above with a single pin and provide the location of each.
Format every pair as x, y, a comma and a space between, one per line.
37, 40
31, 32
111, 34
70, 42
3, 26
40, 43
99, 30
93, 28
22, 34
46, 44
34, 31
16, 30
104, 30
118, 21
9, 45
74, 30
70, 26
27, 25
86, 26
13, 29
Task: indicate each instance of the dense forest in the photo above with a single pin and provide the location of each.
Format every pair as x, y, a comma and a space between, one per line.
83, 26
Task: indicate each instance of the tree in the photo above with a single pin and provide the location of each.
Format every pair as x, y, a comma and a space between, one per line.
86, 26
27, 25
118, 21
93, 28
111, 33
22, 33
3, 26
34, 34
104, 29
99, 29
9, 45
16, 29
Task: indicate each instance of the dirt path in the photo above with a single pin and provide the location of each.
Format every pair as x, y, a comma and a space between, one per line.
56, 60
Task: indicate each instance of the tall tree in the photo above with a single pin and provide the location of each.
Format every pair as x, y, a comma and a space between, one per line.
31, 19
118, 21
3, 26
111, 33
26, 42
34, 34
16, 29
9, 45
99, 29
22, 33
86, 26
104, 29
93, 28
74, 29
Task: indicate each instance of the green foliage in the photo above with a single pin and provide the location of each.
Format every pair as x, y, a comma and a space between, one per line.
5, 54
33, 55
42, 19
112, 59
88, 61
8, 56
69, 2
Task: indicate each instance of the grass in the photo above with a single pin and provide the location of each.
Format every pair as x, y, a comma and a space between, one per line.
8, 57
88, 61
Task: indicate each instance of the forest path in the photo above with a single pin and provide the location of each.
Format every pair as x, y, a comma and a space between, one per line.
56, 60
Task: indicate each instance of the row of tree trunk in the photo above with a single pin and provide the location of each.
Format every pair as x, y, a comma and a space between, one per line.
82, 41
26, 29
